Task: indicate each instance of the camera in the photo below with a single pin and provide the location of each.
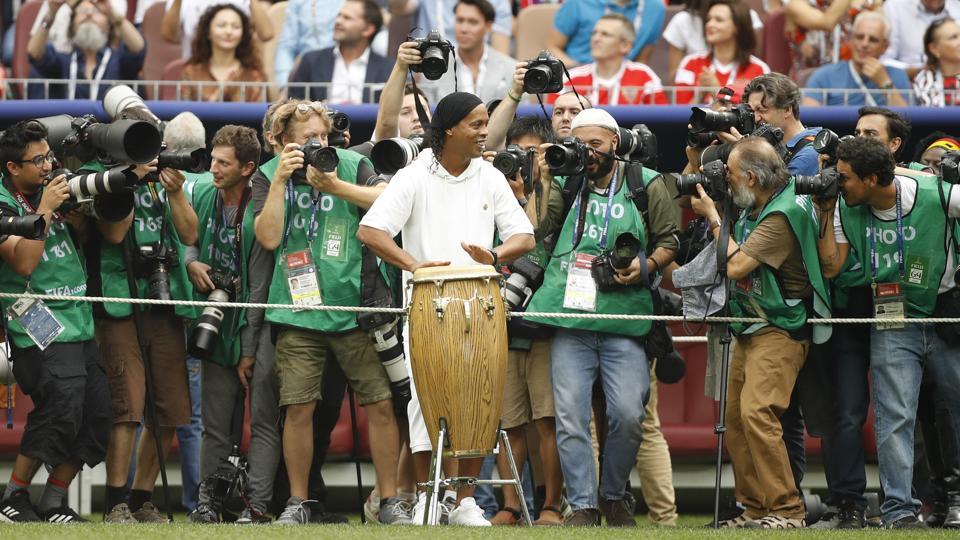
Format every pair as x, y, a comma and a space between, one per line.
701, 139
525, 278
544, 75
625, 248
323, 158
693, 239
391, 155
568, 157
638, 144
154, 262
950, 168
515, 159
340, 125
704, 123
29, 226
382, 329
827, 142
713, 179
203, 339
435, 52
86, 138
823, 185
195, 161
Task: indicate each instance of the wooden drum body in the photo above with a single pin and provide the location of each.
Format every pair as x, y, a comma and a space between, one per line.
458, 354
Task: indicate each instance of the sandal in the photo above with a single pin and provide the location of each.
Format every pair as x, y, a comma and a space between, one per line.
506, 516
549, 522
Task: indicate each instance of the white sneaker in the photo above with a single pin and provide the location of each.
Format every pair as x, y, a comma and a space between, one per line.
371, 508
468, 514
419, 509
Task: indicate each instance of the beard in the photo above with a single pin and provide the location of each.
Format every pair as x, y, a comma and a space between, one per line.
743, 197
89, 37
604, 165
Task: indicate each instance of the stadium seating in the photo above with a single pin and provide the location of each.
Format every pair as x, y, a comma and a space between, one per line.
534, 25
160, 52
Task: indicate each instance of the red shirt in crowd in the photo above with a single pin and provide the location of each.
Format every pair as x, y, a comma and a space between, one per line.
634, 84
733, 75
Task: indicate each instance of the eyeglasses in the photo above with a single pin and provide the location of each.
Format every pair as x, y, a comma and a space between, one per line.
38, 161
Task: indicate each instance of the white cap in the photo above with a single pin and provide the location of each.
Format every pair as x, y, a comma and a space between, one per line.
595, 117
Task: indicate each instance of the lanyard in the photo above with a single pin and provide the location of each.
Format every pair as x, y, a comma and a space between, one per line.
22, 201
606, 216
868, 95
873, 234
237, 226
292, 202
97, 76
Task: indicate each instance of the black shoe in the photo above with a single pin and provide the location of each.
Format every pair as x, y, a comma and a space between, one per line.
937, 515
204, 514
728, 514
850, 517
64, 514
617, 514
906, 522
952, 519
17, 508
585, 517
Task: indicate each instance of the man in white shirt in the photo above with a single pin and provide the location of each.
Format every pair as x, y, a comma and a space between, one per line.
909, 19
447, 205
481, 69
182, 23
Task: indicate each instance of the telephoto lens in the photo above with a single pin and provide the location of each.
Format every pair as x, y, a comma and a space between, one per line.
158, 284
195, 161
29, 226
525, 278
391, 155
382, 329
203, 339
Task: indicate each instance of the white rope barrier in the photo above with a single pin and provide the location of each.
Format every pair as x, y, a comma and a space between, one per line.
402, 311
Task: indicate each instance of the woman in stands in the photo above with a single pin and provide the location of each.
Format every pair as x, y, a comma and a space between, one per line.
938, 83
685, 33
729, 62
224, 57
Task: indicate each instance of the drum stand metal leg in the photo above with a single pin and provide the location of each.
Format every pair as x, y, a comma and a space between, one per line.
431, 514
517, 481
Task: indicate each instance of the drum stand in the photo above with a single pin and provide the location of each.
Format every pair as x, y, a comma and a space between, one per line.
437, 485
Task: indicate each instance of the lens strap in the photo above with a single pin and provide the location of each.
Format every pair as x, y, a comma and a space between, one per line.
873, 233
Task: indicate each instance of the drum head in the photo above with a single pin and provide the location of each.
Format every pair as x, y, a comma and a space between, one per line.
454, 273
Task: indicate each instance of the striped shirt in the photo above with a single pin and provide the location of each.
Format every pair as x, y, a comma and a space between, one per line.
932, 89
634, 84
732, 75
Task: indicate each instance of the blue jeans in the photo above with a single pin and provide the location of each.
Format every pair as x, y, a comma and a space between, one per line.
578, 358
189, 439
897, 360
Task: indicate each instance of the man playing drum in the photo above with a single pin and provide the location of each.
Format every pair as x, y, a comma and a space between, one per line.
447, 205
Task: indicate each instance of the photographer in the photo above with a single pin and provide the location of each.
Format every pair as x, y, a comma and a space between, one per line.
227, 255
309, 218
148, 254
771, 280
55, 360
583, 349
907, 264
775, 100
888, 127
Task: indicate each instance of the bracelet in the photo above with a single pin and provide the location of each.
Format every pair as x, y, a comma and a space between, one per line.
513, 97
496, 258
523, 202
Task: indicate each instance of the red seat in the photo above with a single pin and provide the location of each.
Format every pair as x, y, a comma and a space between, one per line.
776, 48
173, 71
160, 52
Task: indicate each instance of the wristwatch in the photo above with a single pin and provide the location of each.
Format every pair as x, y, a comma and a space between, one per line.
496, 258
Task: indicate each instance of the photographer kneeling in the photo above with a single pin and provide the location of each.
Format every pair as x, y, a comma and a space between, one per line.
771, 281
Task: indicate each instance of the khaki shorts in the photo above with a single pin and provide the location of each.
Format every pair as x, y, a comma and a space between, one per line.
302, 355
123, 363
528, 392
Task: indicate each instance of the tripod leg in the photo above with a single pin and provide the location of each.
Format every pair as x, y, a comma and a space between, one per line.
721, 426
517, 483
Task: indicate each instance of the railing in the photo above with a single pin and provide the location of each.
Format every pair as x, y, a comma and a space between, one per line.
14, 89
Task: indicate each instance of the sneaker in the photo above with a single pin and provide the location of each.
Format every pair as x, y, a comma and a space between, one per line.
906, 522
64, 514
468, 514
395, 511
447, 506
851, 517
737, 522
119, 515
371, 508
204, 514
617, 513
252, 517
17, 508
829, 520
296, 513
584, 517
149, 514
776, 522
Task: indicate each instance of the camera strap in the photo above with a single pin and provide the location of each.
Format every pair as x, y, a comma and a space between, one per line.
237, 227
583, 199
22, 201
946, 211
292, 204
873, 240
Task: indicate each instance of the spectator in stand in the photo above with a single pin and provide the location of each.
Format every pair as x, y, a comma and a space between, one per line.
685, 33
428, 18
481, 70
909, 20
613, 79
863, 72
59, 29
350, 65
818, 30
182, 24
93, 27
573, 27
937, 84
224, 57
730, 61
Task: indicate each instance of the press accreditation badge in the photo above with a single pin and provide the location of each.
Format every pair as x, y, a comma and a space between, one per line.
37, 320
302, 281
581, 290
888, 304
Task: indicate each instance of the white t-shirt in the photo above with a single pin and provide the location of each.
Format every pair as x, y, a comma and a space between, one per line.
908, 194
435, 211
190, 13
685, 31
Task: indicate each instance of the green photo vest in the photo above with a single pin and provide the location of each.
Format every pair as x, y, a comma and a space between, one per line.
335, 250
760, 293
61, 271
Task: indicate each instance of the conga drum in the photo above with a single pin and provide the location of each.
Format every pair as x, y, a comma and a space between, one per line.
458, 354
